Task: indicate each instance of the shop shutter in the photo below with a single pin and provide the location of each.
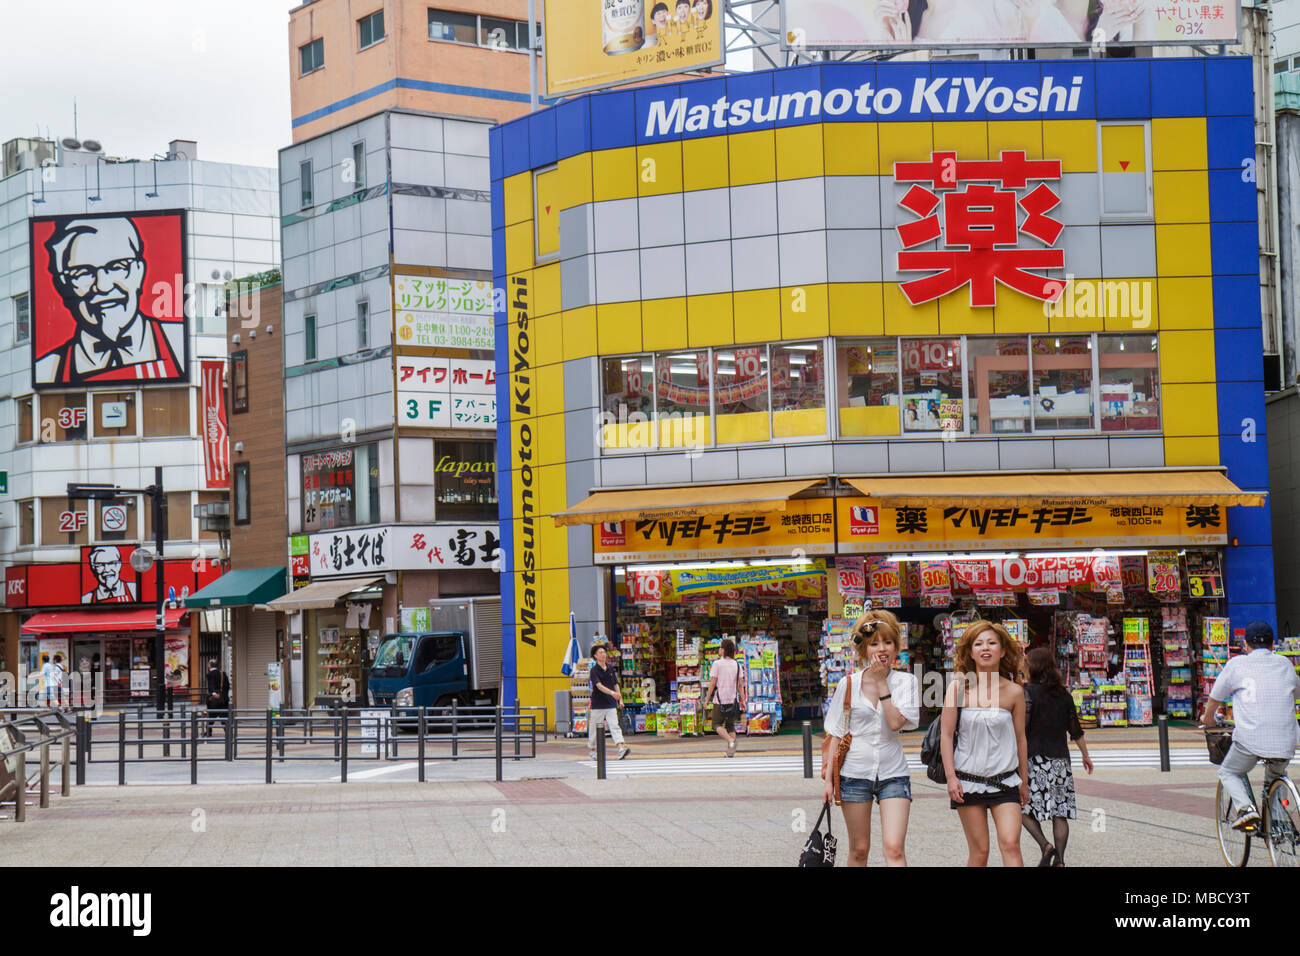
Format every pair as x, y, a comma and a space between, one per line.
259, 650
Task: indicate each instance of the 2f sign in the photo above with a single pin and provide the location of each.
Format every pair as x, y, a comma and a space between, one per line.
72, 521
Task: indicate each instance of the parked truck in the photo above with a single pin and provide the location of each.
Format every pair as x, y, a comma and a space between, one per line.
458, 659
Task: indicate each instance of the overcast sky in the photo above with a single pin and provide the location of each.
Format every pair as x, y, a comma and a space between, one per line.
144, 72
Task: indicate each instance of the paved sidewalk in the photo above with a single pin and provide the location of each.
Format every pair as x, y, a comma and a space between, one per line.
1126, 818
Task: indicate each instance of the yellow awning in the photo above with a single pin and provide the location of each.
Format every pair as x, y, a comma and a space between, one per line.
1052, 489
647, 504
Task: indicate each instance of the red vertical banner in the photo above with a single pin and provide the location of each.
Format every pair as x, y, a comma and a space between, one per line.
216, 437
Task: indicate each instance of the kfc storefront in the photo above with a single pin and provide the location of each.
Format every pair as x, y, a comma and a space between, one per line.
99, 615
1001, 319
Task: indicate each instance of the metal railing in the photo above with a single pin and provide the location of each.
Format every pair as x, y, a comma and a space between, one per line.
315, 734
21, 732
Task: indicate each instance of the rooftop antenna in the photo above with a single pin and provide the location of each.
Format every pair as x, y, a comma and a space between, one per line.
74, 119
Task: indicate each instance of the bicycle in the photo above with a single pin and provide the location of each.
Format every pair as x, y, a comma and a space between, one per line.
1279, 823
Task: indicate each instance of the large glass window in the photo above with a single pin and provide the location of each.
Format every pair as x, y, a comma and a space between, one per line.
340, 488
628, 403
682, 390
65, 523
1130, 382
932, 385
998, 388
465, 480
741, 393
1062, 399
63, 416
452, 26
867, 390
166, 412
180, 516
798, 389
114, 414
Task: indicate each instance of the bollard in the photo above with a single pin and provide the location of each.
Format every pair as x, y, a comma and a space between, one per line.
139, 730
121, 748
421, 732
500, 710
270, 748
83, 748
279, 738
65, 782
514, 723
337, 733
807, 750
455, 732
600, 751
230, 733
167, 737
342, 746
1162, 722
194, 746
20, 795
45, 776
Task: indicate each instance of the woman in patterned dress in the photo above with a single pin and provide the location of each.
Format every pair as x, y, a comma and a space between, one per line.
1051, 783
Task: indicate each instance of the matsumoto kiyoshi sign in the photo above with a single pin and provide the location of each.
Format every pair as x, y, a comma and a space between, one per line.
1062, 93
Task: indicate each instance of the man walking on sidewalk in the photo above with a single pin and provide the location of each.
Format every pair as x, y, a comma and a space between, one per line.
606, 698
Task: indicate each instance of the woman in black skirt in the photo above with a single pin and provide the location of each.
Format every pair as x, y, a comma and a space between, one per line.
1051, 784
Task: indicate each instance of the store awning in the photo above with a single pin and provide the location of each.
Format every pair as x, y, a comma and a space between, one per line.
239, 588
319, 594
1088, 489
86, 622
644, 504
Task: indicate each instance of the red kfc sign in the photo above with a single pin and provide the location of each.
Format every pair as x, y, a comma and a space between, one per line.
979, 226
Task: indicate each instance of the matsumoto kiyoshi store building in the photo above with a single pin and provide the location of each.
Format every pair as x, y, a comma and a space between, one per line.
964, 339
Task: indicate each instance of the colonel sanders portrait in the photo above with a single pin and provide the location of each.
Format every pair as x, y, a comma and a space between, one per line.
106, 567
97, 266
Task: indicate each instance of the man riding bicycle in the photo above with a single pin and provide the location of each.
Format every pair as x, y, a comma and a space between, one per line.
1263, 687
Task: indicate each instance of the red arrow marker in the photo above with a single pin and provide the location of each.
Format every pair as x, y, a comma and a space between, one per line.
548, 208
1123, 164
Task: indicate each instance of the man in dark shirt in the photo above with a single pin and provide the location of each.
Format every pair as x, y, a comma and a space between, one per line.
606, 698
218, 695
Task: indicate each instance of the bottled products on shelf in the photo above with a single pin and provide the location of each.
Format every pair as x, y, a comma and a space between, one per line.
580, 696
1138, 680
687, 688
1214, 652
1111, 705
763, 666
835, 655
1178, 687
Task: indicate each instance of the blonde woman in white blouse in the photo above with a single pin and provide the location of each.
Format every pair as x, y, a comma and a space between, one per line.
883, 702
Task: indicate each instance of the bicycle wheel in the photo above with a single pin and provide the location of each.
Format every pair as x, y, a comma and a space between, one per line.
1234, 844
1281, 822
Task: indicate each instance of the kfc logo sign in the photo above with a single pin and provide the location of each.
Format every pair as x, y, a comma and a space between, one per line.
973, 208
864, 521
17, 588
613, 535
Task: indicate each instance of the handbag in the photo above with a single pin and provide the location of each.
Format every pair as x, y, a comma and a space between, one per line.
833, 765
819, 850
932, 752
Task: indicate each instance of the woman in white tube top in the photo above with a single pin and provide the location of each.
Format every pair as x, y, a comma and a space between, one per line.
987, 770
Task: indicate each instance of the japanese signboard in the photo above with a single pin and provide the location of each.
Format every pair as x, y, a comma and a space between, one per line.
898, 24
591, 44
850, 577
884, 583
806, 524
328, 489
108, 300
956, 527
437, 312
1204, 574
216, 444
687, 581
446, 392
936, 584
404, 548
1163, 579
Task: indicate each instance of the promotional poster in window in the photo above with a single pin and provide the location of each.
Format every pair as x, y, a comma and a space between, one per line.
108, 300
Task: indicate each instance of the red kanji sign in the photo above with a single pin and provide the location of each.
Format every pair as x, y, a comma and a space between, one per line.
979, 226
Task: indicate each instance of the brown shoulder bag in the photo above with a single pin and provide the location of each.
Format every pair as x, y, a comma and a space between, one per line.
834, 765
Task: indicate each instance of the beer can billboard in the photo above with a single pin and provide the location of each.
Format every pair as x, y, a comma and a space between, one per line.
901, 24
592, 44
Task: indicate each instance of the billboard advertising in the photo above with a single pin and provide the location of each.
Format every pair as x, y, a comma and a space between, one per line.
108, 300
591, 44
895, 24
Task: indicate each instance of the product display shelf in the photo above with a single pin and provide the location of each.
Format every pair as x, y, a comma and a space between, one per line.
1214, 653
1177, 681
763, 669
1138, 682
687, 689
580, 697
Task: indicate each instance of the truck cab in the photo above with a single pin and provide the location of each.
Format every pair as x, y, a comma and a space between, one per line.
420, 670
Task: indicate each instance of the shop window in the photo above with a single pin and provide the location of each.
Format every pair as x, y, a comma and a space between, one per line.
1062, 399
465, 480
1130, 385
24, 408
241, 493
998, 386
931, 385
1124, 159
682, 399
340, 488
742, 393
180, 515
114, 415
435, 650
63, 416
798, 389
27, 521
627, 400
239, 381
867, 386
166, 412
64, 523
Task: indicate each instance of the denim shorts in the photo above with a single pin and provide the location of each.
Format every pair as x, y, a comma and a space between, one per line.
858, 790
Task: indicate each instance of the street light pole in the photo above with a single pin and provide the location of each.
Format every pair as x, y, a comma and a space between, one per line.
160, 589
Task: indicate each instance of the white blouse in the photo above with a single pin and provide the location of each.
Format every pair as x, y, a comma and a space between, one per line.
986, 746
875, 752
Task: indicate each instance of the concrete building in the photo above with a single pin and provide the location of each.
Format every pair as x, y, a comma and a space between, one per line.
112, 353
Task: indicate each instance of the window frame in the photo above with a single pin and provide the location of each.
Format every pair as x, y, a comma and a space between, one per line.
241, 468
25, 310
1125, 217
363, 324
358, 165
361, 21
311, 45
517, 44
306, 188
27, 535
33, 431
238, 360
309, 337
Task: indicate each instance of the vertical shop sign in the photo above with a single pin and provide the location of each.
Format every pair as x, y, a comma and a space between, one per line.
936, 584
850, 575
446, 393
1204, 575
216, 444
886, 588
525, 503
1163, 579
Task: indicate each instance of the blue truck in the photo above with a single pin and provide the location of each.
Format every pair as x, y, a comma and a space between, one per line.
458, 659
